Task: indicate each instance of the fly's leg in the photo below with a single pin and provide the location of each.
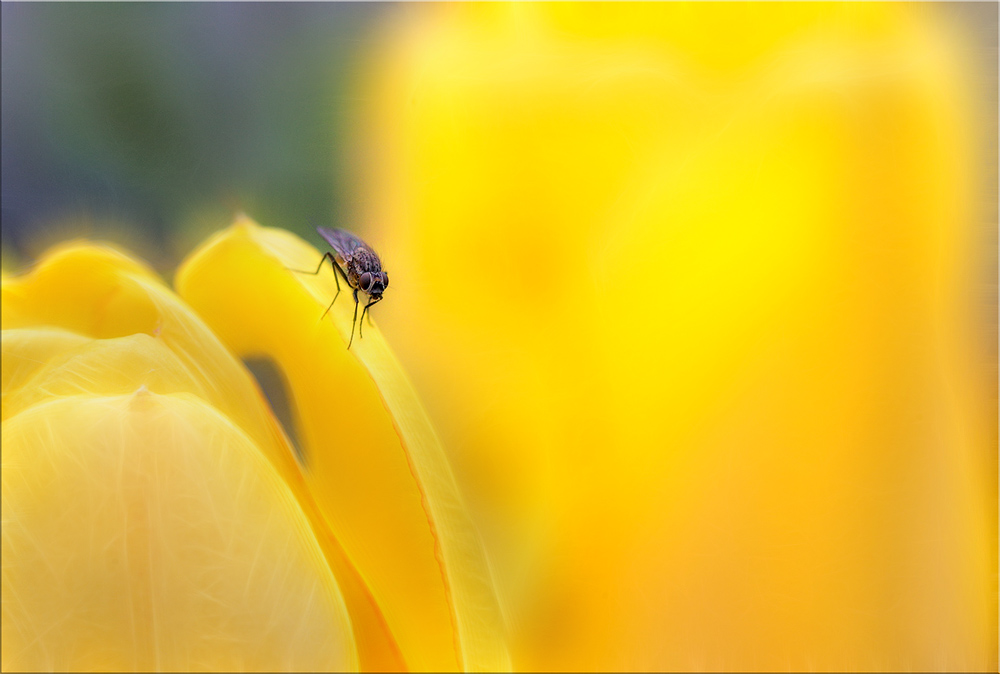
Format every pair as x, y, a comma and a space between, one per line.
329, 307
341, 271
355, 318
336, 268
334, 297
321, 261
363, 317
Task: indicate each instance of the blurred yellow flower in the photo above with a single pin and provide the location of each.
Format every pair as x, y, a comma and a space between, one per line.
690, 291
157, 517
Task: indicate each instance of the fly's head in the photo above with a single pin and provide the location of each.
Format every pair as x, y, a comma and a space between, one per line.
374, 283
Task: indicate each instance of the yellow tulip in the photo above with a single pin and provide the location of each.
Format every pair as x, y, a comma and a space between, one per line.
370, 457
689, 290
156, 516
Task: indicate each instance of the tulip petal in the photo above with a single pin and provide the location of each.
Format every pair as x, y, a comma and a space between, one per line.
372, 459
100, 293
102, 366
89, 320
79, 287
191, 552
697, 290
27, 352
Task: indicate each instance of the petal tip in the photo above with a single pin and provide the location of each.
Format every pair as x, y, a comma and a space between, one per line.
244, 223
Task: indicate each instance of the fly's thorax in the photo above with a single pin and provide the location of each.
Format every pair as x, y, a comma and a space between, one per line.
364, 259
365, 272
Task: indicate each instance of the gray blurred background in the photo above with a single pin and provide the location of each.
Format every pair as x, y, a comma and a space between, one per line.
152, 124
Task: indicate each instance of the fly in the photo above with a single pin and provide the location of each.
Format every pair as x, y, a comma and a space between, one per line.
354, 260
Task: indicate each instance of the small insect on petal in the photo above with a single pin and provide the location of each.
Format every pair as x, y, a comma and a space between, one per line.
359, 265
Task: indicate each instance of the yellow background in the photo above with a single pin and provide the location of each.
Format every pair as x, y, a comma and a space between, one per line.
694, 295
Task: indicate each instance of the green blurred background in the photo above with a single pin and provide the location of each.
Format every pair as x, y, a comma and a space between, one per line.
153, 123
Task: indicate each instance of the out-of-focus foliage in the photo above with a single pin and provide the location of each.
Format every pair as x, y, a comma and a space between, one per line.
152, 123
694, 295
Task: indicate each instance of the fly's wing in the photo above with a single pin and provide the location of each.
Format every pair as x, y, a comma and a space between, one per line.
343, 243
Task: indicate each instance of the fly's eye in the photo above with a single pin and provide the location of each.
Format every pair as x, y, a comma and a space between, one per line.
385, 280
366, 281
